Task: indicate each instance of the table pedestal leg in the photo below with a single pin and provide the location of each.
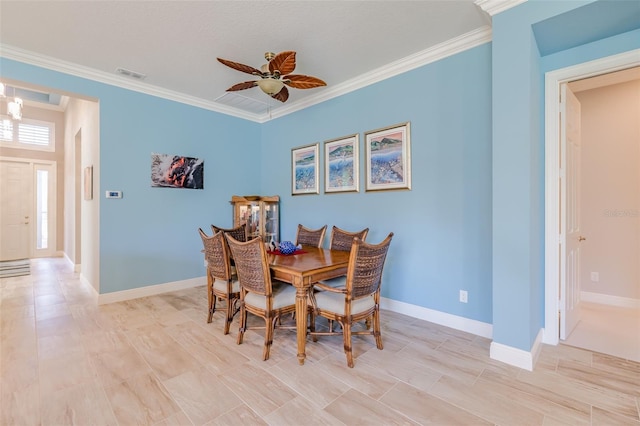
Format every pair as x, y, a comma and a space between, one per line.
301, 322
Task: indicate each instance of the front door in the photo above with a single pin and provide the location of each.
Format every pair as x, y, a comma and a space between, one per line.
15, 210
570, 148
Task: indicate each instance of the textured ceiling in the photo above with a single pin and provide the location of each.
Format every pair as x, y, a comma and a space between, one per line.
175, 43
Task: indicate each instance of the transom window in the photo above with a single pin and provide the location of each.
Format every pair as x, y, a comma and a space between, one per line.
27, 134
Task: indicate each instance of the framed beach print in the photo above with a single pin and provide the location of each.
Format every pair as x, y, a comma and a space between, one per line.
304, 170
341, 164
388, 162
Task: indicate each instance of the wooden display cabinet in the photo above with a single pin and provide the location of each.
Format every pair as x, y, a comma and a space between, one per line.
261, 214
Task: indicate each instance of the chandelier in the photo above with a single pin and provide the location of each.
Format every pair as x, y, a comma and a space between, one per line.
14, 108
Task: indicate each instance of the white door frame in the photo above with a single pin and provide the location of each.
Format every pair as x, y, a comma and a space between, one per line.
553, 80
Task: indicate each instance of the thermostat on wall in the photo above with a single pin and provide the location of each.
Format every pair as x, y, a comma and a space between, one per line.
113, 194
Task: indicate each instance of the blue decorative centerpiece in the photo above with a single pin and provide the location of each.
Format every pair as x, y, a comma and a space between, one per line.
287, 247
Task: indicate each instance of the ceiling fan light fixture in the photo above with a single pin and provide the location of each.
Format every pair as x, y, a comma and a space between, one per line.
274, 75
270, 86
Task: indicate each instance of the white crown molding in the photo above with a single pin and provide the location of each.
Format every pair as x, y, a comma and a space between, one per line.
435, 53
493, 7
448, 48
70, 68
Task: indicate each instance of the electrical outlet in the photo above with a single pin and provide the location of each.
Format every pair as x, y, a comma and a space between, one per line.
595, 277
463, 296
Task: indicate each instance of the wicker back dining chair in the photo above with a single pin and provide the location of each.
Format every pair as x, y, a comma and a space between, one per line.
343, 240
239, 232
359, 300
310, 237
221, 282
259, 294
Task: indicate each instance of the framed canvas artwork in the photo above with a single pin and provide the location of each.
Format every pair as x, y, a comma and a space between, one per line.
176, 171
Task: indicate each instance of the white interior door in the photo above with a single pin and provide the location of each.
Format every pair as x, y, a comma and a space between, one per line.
16, 200
571, 237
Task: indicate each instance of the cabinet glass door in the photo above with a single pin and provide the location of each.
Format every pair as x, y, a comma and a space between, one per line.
253, 224
271, 225
260, 214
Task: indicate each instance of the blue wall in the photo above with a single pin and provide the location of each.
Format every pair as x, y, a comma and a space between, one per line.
442, 226
150, 235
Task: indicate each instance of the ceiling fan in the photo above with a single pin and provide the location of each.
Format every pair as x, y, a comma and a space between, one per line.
274, 75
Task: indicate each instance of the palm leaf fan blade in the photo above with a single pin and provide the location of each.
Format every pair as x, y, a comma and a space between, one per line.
242, 86
300, 81
282, 95
240, 67
285, 62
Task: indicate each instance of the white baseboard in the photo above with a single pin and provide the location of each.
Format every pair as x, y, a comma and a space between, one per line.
517, 357
66, 257
152, 290
76, 266
453, 321
607, 299
94, 292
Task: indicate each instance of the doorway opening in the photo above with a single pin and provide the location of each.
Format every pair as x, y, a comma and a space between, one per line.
555, 238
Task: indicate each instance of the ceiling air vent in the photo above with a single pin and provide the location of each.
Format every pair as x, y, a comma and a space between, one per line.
236, 100
132, 74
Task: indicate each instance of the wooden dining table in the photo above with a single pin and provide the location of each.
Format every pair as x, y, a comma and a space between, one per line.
302, 271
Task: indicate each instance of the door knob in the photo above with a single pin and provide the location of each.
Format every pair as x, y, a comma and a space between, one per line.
581, 238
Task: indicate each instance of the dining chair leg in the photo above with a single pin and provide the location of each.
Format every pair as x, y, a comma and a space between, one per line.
211, 299
312, 325
270, 324
312, 320
346, 335
376, 328
229, 318
243, 322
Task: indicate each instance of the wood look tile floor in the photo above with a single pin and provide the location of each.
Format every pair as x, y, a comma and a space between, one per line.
155, 361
